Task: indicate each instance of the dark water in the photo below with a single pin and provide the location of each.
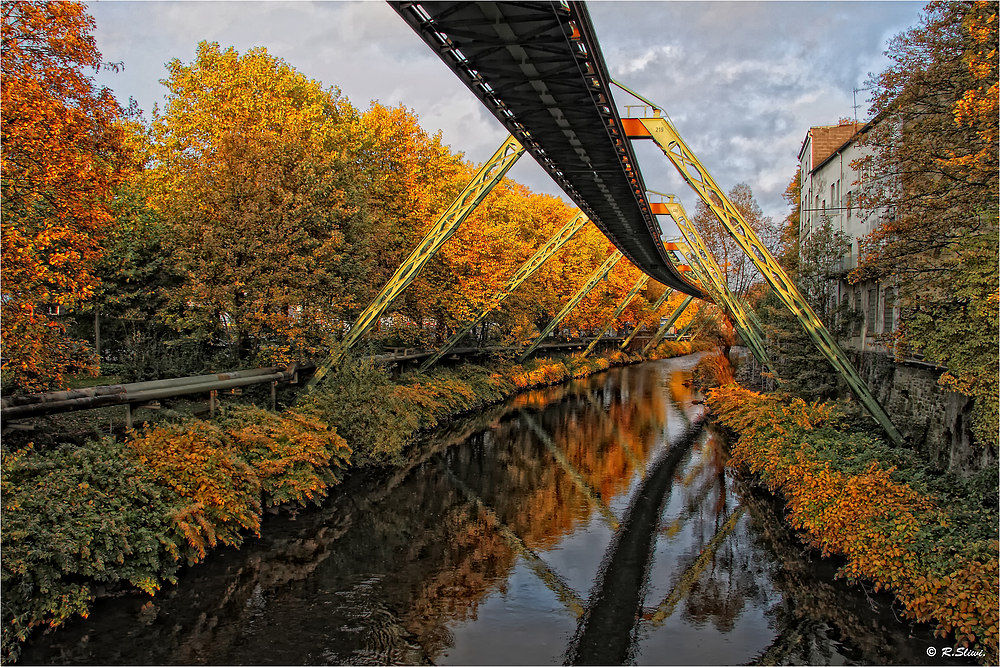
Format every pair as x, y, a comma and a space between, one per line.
592, 523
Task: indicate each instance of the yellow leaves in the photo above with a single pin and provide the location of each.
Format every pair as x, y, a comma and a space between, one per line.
866, 516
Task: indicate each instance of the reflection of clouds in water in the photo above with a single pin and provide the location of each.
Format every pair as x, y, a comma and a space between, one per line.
486, 545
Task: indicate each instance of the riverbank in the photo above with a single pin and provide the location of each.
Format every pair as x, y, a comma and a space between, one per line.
930, 539
80, 521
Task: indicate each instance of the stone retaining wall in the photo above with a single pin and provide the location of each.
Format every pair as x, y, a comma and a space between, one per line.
935, 421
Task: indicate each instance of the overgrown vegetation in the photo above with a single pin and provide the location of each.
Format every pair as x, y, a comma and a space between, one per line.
246, 223
934, 158
930, 539
110, 513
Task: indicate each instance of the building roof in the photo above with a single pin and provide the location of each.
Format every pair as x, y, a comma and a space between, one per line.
825, 140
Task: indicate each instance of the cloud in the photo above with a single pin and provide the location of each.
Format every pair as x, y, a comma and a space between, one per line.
743, 81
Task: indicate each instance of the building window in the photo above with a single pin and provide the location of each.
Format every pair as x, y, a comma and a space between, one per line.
872, 311
888, 311
859, 315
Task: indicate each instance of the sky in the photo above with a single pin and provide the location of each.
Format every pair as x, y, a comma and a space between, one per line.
742, 81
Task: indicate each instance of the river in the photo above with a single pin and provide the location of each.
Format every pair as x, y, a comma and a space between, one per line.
589, 523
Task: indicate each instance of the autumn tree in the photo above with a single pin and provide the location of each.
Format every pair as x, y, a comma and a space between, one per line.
932, 178
63, 153
788, 235
254, 166
738, 268
125, 319
800, 365
410, 177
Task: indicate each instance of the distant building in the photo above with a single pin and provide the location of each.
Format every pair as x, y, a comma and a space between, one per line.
830, 189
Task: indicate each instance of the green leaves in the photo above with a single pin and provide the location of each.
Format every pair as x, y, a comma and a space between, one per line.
935, 144
77, 515
255, 168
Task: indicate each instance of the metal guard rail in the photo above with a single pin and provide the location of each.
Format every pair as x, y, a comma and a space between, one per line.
138, 393
37, 405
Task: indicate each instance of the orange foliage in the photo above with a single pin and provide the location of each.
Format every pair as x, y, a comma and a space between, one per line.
867, 516
296, 456
221, 492
63, 152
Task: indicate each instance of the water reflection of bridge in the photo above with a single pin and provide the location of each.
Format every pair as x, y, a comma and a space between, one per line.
496, 540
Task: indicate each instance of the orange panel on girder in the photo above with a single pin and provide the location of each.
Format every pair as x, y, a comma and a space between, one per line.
672, 246
658, 208
634, 129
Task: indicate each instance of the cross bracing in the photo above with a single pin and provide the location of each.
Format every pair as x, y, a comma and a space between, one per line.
537, 66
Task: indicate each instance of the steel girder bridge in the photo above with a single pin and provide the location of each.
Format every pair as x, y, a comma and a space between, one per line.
538, 68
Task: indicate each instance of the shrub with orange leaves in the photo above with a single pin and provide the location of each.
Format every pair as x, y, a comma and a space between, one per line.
221, 491
930, 539
295, 456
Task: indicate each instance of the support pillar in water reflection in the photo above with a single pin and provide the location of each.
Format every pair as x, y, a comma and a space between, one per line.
605, 633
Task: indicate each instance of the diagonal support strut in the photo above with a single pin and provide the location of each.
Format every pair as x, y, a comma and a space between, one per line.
660, 130
524, 272
481, 184
597, 276
618, 311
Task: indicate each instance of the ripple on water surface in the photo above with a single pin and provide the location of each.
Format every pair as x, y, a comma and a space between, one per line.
594, 522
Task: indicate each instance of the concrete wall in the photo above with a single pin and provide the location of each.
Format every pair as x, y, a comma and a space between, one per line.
935, 421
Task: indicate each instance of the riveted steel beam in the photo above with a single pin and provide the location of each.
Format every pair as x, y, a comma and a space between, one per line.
655, 307
712, 276
597, 276
665, 327
524, 272
618, 311
481, 184
660, 130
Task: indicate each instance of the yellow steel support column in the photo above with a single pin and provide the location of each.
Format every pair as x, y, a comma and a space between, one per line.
656, 306
618, 311
597, 276
525, 271
687, 327
665, 327
660, 130
711, 275
481, 184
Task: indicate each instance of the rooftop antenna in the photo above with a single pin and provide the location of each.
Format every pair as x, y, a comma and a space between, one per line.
856, 91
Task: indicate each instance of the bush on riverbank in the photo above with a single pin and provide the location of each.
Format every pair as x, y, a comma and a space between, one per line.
932, 540
112, 513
